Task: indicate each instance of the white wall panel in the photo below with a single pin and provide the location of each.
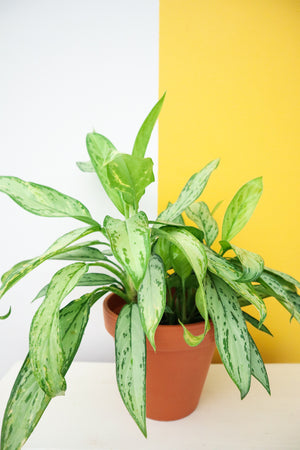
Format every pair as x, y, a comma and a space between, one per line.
67, 67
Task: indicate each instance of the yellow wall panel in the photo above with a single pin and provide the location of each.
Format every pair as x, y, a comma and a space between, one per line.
231, 72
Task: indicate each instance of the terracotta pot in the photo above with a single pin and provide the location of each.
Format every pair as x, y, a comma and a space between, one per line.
175, 372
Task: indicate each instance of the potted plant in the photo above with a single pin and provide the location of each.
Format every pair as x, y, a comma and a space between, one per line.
162, 274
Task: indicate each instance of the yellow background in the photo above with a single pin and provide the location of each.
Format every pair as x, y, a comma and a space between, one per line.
232, 79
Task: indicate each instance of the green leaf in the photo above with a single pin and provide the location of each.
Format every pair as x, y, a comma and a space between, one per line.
102, 152
152, 297
87, 279
162, 249
85, 166
228, 272
130, 175
179, 262
144, 134
46, 353
255, 323
27, 400
44, 201
190, 338
258, 369
241, 208
231, 333
286, 298
18, 271
131, 363
252, 264
190, 193
6, 315
189, 246
200, 214
130, 244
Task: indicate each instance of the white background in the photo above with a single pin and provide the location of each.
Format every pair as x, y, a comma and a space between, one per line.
67, 67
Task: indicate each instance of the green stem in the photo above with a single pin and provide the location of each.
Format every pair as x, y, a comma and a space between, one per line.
183, 306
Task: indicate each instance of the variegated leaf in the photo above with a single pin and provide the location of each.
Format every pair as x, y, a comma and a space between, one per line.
102, 152
228, 272
43, 200
130, 175
231, 333
131, 363
190, 193
81, 253
130, 244
258, 369
189, 246
252, 264
18, 271
46, 353
284, 276
87, 279
201, 303
27, 401
152, 297
85, 166
199, 213
286, 298
144, 134
241, 208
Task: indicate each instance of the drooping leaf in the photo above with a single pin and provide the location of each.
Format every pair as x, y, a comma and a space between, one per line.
27, 401
231, 333
102, 152
46, 353
286, 298
201, 303
258, 369
252, 264
44, 201
81, 253
152, 297
144, 134
87, 279
201, 216
85, 166
229, 273
284, 276
131, 363
255, 323
179, 262
189, 246
241, 208
130, 244
190, 193
130, 175
18, 271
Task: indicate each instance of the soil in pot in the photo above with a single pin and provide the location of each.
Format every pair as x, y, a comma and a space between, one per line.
176, 372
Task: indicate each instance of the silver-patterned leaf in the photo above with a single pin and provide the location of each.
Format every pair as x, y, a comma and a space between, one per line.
290, 280
286, 298
18, 271
199, 213
43, 200
258, 369
228, 272
192, 249
81, 253
46, 353
27, 401
102, 152
255, 323
190, 193
144, 134
231, 332
131, 363
130, 244
152, 297
241, 208
85, 166
252, 264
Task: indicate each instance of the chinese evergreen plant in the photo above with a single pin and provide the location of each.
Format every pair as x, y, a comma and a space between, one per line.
165, 270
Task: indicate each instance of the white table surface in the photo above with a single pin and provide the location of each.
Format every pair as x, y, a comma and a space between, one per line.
92, 416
